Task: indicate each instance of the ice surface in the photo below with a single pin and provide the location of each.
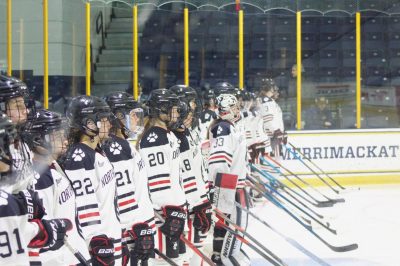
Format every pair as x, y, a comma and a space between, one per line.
370, 217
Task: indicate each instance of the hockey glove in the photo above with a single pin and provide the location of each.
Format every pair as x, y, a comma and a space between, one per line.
175, 217
33, 204
202, 217
143, 236
102, 251
51, 233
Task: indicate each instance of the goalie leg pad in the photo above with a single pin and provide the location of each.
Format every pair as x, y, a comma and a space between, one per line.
224, 192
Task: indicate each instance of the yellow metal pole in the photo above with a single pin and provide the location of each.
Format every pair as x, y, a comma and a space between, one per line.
135, 58
241, 54
21, 49
45, 55
9, 38
88, 63
358, 69
298, 53
186, 44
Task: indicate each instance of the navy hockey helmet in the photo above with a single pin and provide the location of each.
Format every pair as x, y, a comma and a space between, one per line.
161, 101
125, 108
84, 109
40, 125
11, 87
224, 88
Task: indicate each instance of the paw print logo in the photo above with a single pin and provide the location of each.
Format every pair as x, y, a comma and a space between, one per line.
152, 137
115, 148
3, 198
219, 130
78, 155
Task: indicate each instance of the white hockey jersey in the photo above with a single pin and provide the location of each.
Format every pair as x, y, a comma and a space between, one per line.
133, 195
206, 117
254, 131
271, 114
58, 198
188, 175
228, 152
15, 230
94, 184
22, 166
199, 164
159, 149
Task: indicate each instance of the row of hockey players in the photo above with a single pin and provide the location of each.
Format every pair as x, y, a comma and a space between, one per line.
104, 194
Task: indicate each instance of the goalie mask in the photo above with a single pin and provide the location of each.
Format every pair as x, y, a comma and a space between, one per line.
129, 114
164, 105
85, 114
228, 107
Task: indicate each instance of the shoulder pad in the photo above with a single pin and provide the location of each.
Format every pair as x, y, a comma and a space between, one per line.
183, 141
45, 180
80, 156
155, 136
207, 116
117, 149
222, 128
266, 99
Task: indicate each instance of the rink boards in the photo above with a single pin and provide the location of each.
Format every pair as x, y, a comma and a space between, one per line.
353, 157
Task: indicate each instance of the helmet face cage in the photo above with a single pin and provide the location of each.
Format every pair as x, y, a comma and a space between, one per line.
45, 132
8, 134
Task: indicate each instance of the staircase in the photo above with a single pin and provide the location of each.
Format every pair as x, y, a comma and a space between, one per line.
113, 69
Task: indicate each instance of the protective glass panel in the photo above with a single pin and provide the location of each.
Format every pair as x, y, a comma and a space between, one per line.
380, 70
328, 72
3, 40
27, 45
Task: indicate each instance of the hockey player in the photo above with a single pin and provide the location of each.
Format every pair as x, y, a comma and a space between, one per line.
228, 169
272, 115
193, 182
12, 103
46, 137
135, 208
159, 148
93, 180
208, 114
21, 215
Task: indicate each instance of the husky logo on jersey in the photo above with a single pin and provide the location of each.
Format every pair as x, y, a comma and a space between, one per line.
78, 155
115, 148
219, 130
3, 198
175, 246
207, 116
152, 137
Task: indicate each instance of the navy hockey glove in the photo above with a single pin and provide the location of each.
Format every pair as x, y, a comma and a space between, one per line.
51, 234
175, 217
143, 236
33, 204
101, 250
202, 217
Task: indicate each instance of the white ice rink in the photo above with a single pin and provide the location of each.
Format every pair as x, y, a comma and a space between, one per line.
370, 217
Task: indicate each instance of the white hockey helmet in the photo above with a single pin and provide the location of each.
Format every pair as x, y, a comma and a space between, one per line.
227, 107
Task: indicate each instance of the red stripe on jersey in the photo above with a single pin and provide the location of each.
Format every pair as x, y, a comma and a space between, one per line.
160, 246
126, 202
33, 254
90, 214
159, 182
221, 157
189, 185
118, 248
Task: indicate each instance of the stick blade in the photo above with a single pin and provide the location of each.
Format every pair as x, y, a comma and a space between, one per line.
345, 248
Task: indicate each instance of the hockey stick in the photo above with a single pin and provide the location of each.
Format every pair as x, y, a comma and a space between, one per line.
286, 189
189, 244
76, 252
315, 165
243, 231
309, 168
309, 228
326, 226
165, 257
328, 203
291, 241
304, 182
